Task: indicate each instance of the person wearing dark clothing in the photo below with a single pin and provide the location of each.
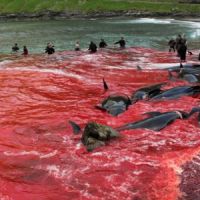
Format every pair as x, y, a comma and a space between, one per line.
172, 44
50, 49
121, 42
102, 44
15, 48
77, 46
182, 51
25, 51
178, 43
92, 47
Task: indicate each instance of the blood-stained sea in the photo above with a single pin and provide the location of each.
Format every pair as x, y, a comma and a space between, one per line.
41, 159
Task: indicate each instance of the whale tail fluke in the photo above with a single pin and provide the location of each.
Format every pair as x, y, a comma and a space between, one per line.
76, 128
105, 85
194, 110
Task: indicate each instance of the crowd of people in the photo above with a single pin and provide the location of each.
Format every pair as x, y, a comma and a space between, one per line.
15, 49
179, 45
50, 49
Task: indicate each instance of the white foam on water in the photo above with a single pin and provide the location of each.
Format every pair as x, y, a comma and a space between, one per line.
54, 170
78, 146
190, 24
160, 65
22, 153
97, 154
144, 21
5, 62
119, 67
151, 21
45, 70
137, 172
153, 164
176, 168
5, 197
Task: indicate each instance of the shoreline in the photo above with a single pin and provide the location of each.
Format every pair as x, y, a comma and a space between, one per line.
52, 15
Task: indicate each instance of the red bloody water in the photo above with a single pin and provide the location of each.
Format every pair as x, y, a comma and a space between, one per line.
41, 159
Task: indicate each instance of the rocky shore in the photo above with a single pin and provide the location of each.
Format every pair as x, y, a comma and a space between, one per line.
45, 15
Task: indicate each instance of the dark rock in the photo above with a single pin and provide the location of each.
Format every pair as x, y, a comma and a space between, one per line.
95, 135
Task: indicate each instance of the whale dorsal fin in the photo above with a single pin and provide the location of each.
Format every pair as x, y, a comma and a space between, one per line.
76, 128
139, 68
105, 85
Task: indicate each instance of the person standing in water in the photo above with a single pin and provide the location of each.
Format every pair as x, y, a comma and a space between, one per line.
102, 44
121, 42
77, 46
178, 43
15, 48
25, 51
49, 49
92, 47
182, 50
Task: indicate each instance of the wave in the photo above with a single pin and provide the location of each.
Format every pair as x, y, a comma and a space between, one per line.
22, 153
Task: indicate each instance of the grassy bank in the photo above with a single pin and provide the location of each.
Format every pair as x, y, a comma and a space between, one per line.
34, 6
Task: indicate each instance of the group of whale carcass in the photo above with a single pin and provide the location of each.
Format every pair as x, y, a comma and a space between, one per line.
95, 135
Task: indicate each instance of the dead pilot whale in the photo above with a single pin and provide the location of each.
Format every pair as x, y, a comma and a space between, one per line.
146, 92
95, 135
177, 92
115, 104
157, 120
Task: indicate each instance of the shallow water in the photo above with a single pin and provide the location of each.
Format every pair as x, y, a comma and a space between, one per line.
40, 158
146, 32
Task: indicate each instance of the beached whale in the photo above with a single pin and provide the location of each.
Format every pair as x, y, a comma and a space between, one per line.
115, 104
95, 135
177, 92
147, 92
191, 78
157, 120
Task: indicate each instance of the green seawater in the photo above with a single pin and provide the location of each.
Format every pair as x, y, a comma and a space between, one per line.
145, 32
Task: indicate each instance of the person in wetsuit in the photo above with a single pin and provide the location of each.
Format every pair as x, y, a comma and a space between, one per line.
49, 49
121, 42
15, 48
102, 44
92, 47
